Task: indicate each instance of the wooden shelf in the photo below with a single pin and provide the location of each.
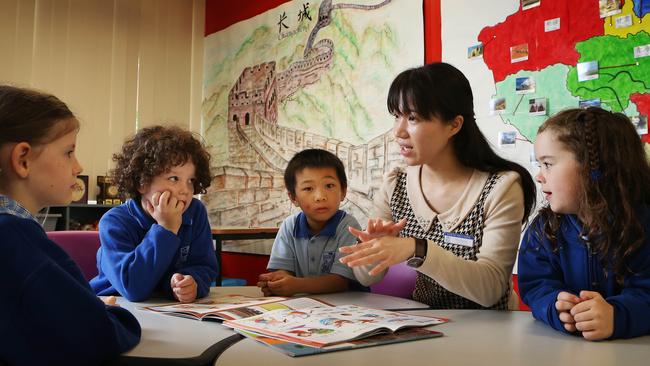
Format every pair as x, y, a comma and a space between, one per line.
81, 213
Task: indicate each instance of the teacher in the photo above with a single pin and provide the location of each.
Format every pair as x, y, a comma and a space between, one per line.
455, 213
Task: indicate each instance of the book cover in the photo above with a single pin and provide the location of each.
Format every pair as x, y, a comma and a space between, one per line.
233, 307
325, 326
299, 350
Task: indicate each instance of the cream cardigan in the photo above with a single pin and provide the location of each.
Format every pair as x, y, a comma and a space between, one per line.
483, 281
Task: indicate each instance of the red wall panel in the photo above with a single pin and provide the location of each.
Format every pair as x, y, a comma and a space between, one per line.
220, 14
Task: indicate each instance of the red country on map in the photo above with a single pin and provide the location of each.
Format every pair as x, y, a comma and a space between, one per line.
642, 102
579, 20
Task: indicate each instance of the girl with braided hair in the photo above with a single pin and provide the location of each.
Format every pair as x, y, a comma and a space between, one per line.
584, 263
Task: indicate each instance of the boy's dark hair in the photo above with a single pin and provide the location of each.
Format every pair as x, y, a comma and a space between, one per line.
154, 151
615, 182
31, 116
313, 158
440, 90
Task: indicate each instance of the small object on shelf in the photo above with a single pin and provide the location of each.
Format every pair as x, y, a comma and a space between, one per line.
108, 192
80, 193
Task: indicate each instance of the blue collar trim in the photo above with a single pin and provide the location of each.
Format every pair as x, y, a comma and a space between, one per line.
302, 227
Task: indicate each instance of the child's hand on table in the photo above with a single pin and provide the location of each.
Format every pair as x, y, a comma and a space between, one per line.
593, 316
565, 302
109, 300
279, 283
184, 287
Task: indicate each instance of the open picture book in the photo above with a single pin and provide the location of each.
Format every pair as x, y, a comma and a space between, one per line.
298, 350
233, 307
329, 325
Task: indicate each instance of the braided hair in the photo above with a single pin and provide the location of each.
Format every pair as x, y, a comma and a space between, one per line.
615, 183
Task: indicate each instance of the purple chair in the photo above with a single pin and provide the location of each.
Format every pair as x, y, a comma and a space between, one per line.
81, 246
399, 281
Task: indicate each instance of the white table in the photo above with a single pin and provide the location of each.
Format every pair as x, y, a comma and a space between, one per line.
170, 337
473, 337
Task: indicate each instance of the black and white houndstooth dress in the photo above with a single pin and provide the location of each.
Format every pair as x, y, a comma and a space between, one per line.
427, 290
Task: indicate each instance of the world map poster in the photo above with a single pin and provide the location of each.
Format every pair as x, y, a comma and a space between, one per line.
527, 60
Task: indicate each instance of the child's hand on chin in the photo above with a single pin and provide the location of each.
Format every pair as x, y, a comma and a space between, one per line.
166, 210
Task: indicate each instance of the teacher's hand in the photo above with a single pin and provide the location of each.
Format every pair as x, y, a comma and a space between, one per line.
384, 252
377, 228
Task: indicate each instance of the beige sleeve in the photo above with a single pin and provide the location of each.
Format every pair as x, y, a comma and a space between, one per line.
380, 209
485, 280
381, 202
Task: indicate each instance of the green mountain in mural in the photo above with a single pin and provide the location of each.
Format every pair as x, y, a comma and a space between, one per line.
361, 64
360, 61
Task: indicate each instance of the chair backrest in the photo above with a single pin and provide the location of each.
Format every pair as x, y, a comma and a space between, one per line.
399, 281
81, 246
515, 287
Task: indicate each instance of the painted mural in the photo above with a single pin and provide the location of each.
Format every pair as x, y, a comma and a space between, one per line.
305, 74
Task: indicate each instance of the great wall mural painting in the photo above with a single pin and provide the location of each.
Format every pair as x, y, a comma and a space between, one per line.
306, 74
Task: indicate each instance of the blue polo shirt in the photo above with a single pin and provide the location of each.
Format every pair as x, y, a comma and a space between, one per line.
306, 255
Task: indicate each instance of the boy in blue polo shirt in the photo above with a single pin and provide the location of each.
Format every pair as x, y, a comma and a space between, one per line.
305, 255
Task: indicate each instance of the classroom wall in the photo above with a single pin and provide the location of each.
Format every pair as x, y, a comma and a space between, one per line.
120, 65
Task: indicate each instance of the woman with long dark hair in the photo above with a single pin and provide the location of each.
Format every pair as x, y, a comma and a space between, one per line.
455, 213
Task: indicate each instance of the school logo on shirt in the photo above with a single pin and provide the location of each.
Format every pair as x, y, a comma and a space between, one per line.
185, 252
327, 262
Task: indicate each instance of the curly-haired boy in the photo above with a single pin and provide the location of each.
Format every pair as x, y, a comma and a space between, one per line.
160, 239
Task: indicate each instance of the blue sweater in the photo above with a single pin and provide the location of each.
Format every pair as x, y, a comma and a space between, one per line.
138, 256
544, 273
48, 313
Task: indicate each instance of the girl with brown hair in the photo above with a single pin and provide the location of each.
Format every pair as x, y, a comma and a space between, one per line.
584, 264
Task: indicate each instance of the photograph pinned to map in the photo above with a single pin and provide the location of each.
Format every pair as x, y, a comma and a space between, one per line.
624, 21
533, 158
475, 51
586, 103
551, 25
642, 51
609, 7
640, 122
519, 53
587, 70
527, 4
497, 105
524, 85
507, 139
537, 107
